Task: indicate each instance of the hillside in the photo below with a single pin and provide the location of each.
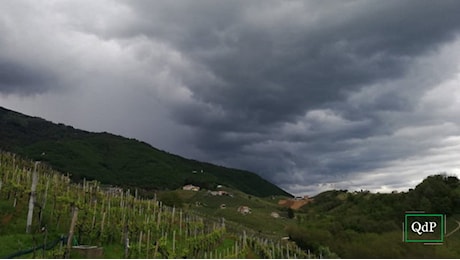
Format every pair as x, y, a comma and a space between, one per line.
193, 224
260, 218
368, 225
46, 221
117, 160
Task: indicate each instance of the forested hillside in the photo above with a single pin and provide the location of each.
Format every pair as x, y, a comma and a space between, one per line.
116, 160
368, 225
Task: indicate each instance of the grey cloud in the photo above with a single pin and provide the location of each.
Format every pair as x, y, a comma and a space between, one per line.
23, 79
265, 77
270, 75
309, 94
264, 83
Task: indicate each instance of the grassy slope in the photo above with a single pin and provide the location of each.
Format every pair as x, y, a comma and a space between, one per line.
259, 220
116, 160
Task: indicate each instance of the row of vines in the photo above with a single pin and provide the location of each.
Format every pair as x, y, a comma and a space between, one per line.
91, 214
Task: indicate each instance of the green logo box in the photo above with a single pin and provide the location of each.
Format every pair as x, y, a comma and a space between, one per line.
427, 232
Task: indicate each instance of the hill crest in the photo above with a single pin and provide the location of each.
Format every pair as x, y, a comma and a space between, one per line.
117, 160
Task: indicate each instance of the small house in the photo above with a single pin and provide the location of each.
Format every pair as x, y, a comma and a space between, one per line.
244, 210
223, 193
191, 187
213, 193
218, 193
275, 214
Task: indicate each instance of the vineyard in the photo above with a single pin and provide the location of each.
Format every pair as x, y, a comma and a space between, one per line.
44, 215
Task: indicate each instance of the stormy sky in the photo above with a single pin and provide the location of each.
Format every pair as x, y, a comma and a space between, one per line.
311, 95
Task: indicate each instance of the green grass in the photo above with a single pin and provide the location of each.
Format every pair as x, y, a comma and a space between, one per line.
113, 251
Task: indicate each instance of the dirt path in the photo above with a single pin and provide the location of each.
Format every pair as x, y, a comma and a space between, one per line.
455, 230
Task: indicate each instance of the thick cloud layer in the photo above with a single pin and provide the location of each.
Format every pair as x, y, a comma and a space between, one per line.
311, 95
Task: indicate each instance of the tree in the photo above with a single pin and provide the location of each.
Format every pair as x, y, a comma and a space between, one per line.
425, 204
290, 213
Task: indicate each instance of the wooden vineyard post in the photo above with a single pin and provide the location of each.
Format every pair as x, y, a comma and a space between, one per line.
94, 215
236, 249
148, 243
140, 240
102, 224
32, 199
180, 223
42, 208
156, 249
280, 250
159, 218
126, 238
174, 243
46, 193
108, 212
15, 177
71, 230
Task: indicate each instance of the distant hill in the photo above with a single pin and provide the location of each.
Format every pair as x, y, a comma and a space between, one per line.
368, 225
117, 160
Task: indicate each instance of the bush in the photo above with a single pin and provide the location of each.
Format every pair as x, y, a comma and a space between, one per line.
171, 199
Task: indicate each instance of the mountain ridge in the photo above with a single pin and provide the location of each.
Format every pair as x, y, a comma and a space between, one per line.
117, 160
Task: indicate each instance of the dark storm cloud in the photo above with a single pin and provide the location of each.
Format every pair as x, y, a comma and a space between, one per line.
17, 78
269, 73
309, 94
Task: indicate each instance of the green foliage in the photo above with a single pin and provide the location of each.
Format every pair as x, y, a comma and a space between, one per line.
437, 193
171, 199
366, 225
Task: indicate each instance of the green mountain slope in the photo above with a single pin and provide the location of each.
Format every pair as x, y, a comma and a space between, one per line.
117, 160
